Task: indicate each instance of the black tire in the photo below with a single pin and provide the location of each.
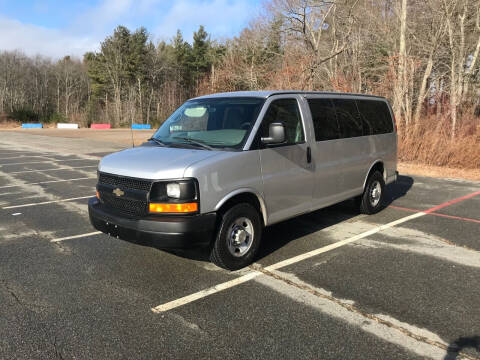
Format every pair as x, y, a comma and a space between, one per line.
223, 246
368, 203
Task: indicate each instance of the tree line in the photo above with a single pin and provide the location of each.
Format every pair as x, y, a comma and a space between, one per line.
129, 80
422, 55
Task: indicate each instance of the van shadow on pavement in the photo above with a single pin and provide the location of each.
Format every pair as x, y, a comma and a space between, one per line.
279, 235
460, 344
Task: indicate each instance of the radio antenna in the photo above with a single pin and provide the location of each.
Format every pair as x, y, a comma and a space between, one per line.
131, 133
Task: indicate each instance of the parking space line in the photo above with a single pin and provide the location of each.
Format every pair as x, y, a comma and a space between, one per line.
436, 214
76, 236
46, 202
47, 182
22, 156
64, 168
23, 152
404, 208
455, 217
253, 274
12, 193
451, 202
44, 162
204, 293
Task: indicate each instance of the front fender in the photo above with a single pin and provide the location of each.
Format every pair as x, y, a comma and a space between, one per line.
234, 193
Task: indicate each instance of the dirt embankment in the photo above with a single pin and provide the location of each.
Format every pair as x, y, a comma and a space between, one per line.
438, 171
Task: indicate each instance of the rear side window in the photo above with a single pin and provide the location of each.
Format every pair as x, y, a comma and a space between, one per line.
348, 118
285, 111
377, 115
324, 119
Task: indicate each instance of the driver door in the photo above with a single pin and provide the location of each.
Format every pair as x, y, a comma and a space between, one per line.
287, 170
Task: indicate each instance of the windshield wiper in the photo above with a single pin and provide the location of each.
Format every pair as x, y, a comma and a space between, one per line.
157, 141
195, 142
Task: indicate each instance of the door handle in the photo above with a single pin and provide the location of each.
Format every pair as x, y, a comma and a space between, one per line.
309, 155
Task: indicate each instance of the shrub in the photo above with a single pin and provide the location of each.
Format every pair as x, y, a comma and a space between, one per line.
24, 115
55, 118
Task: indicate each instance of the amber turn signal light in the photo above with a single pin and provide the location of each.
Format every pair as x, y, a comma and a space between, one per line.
173, 208
98, 195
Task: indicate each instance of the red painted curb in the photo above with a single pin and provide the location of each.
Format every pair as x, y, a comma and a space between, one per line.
100, 126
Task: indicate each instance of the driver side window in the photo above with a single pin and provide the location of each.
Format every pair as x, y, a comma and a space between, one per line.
285, 111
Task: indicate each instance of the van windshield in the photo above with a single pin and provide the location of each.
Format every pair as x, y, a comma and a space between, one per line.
214, 123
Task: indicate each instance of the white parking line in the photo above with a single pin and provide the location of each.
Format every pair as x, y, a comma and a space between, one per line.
43, 162
253, 274
76, 236
64, 168
47, 182
204, 293
12, 193
23, 152
22, 156
46, 202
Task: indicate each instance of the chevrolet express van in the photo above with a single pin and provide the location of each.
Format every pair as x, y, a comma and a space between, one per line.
223, 167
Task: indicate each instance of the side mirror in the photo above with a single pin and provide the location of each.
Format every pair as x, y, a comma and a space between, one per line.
276, 134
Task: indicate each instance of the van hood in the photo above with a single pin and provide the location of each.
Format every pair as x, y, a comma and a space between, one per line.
153, 162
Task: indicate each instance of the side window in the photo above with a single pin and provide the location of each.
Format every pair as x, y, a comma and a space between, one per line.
324, 119
377, 115
348, 118
367, 115
285, 111
385, 121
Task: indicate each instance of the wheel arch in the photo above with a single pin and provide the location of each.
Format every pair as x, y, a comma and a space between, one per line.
244, 195
376, 165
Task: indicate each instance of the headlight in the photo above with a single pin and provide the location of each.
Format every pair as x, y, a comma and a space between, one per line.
173, 190
179, 196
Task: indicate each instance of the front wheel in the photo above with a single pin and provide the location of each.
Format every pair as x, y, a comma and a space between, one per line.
371, 201
238, 237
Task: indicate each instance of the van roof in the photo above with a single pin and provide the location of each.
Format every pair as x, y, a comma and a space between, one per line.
267, 93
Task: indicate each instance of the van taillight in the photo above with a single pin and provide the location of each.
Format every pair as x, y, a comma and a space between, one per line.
395, 123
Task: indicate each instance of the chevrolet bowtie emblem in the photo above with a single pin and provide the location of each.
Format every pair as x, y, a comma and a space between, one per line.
118, 192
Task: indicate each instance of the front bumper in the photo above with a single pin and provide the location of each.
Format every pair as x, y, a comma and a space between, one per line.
162, 231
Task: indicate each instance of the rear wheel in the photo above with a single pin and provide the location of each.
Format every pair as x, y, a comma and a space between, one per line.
238, 237
371, 201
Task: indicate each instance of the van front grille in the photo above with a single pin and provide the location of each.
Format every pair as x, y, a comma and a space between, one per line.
125, 182
127, 206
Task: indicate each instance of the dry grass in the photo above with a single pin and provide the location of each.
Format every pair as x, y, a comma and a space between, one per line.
431, 144
6, 123
9, 124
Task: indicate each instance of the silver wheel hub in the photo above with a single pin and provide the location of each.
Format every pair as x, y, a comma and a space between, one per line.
240, 237
375, 193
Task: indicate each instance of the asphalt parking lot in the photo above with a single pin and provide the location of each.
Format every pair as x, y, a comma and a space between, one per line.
333, 284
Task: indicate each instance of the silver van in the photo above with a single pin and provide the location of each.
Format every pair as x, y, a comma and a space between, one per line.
224, 166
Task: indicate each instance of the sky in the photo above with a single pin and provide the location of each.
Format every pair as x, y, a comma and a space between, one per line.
58, 28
